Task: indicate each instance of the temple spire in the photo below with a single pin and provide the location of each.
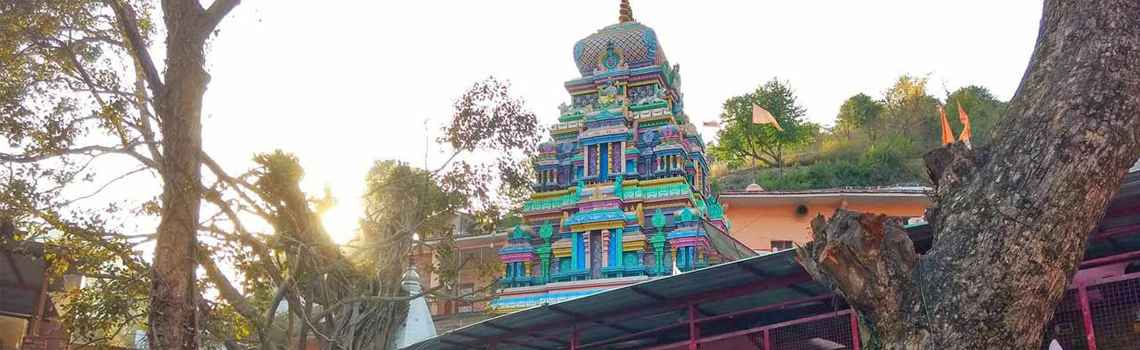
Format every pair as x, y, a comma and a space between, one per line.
625, 13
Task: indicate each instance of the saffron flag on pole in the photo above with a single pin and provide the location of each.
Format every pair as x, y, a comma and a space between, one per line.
947, 134
712, 124
762, 116
965, 137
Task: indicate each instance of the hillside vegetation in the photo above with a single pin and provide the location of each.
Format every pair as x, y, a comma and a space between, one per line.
874, 142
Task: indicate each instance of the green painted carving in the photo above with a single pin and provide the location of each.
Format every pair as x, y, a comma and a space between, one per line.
686, 215
658, 220
546, 231
658, 240
581, 189
544, 255
519, 233
715, 210
617, 187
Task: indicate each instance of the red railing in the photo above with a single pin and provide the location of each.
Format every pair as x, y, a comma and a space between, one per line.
835, 330
1102, 315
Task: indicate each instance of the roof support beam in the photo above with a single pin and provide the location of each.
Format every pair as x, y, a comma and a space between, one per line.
671, 305
651, 331
657, 308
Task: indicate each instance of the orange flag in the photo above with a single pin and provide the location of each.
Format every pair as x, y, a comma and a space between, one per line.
965, 137
762, 116
947, 134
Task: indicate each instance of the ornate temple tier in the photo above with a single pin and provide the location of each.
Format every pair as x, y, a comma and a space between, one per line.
620, 188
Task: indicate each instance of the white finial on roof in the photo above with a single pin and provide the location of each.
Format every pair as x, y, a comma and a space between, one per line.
418, 324
754, 188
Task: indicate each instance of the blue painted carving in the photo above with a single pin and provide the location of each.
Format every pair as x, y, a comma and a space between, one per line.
632, 259
579, 251
611, 61
603, 162
650, 40
583, 100
641, 92
596, 216
578, 48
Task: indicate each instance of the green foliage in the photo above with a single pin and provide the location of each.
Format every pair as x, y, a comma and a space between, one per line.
882, 165
741, 141
910, 112
876, 142
859, 112
983, 108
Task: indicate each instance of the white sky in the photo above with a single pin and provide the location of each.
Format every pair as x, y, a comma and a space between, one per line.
343, 83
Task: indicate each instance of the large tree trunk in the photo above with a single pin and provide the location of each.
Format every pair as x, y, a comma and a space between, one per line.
178, 102
1010, 221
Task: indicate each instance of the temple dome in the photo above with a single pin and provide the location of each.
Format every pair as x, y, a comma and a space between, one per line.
635, 43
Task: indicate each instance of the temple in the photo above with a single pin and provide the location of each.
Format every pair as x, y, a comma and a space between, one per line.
621, 193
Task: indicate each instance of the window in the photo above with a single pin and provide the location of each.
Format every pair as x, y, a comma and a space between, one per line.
464, 291
781, 245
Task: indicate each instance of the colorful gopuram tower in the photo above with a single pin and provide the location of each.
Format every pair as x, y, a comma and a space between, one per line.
620, 191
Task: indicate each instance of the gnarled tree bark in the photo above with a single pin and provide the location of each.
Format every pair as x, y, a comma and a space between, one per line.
1011, 220
174, 311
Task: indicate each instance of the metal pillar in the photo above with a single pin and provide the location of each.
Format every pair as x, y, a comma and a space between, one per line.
574, 336
694, 332
1083, 299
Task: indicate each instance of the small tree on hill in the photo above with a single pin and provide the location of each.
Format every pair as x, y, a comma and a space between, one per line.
740, 140
981, 106
910, 112
860, 112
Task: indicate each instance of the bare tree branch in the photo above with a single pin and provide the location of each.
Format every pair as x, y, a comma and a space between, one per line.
128, 24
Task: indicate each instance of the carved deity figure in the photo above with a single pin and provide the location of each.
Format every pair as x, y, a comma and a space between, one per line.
609, 94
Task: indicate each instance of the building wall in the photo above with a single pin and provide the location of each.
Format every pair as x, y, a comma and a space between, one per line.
483, 252
758, 226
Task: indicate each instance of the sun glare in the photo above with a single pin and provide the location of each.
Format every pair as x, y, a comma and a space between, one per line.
341, 222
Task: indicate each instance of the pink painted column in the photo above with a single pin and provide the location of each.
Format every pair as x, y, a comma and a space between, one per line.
1083, 299
856, 343
588, 253
767, 343
606, 238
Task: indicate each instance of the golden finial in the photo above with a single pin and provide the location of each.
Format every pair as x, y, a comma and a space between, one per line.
625, 14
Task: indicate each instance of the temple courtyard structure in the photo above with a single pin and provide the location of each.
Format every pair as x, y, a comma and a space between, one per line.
623, 245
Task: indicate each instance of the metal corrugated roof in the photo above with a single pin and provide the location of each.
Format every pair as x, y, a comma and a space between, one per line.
721, 289
649, 294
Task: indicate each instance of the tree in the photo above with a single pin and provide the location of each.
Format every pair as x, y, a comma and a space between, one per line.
1011, 219
983, 108
910, 112
78, 89
60, 85
860, 112
741, 140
